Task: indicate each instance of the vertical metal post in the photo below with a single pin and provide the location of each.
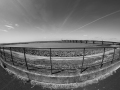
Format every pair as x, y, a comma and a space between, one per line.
11, 56
83, 59
113, 55
119, 51
50, 61
76, 41
0, 52
4, 54
93, 42
25, 58
102, 42
81, 41
103, 57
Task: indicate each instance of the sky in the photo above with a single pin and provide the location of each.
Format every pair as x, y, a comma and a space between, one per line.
39, 20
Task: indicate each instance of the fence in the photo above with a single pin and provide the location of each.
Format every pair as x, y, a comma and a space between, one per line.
8, 55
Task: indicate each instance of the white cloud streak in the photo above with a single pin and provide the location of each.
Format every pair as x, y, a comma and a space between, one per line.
9, 27
3, 30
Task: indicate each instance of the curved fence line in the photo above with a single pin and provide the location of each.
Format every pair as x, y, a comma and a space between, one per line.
6, 53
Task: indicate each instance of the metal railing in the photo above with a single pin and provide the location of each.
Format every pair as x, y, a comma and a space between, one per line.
6, 53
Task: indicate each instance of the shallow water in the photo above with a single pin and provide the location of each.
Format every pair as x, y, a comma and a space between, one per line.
52, 45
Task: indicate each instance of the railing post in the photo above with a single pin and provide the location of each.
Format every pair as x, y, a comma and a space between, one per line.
76, 41
11, 56
80, 41
113, 56
4, 54
93, 42
83, 59
103, 57
25, 58
102, 42
0, 52
50, 61
119, 51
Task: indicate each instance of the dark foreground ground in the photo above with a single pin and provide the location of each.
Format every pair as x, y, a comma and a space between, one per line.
8, 82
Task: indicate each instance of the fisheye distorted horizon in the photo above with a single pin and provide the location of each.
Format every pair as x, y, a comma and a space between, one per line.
37, 20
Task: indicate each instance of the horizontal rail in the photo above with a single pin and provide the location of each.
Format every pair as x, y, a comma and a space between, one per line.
83, 66
66, 48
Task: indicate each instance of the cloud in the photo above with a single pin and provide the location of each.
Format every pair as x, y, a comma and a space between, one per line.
16, 25
9, 27
3, 30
